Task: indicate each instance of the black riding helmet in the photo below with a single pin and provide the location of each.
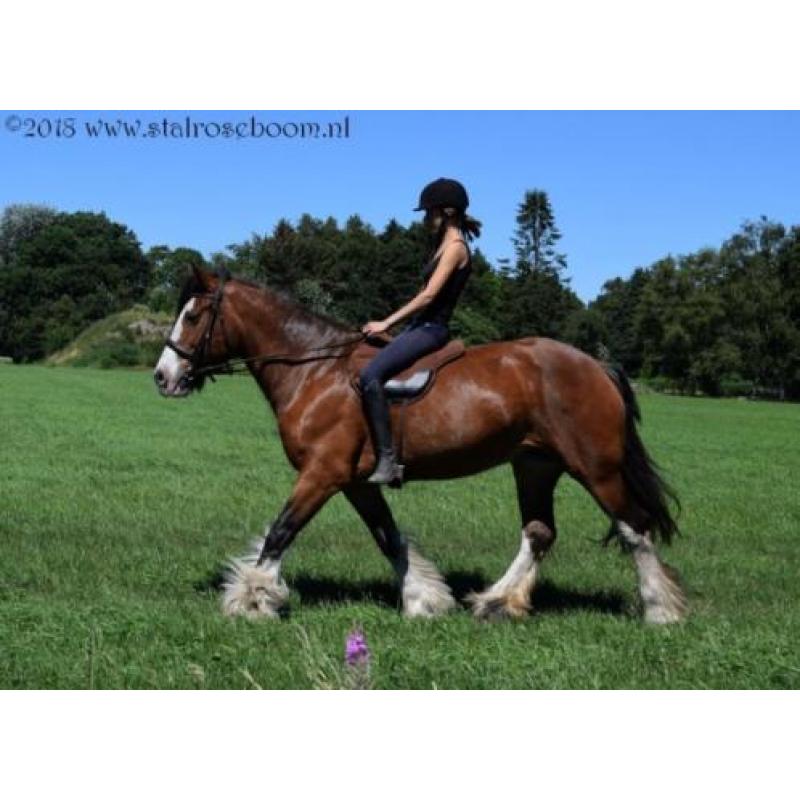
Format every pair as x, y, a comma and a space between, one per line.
443, 192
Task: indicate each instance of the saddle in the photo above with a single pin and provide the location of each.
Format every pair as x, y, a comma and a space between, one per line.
412, 383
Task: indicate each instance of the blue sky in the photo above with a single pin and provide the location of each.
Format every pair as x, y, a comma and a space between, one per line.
627, 187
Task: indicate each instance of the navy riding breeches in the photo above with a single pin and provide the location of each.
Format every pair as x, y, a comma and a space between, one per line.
413, 342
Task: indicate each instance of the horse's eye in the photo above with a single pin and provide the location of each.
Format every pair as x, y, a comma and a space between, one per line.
192, 317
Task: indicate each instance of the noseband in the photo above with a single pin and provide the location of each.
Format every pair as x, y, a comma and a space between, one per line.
198, 370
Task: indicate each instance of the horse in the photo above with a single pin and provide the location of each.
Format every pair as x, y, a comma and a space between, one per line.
542, 405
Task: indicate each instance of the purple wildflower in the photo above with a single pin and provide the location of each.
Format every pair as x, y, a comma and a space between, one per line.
356, 652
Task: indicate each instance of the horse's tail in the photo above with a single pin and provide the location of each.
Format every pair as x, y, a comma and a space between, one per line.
649, 490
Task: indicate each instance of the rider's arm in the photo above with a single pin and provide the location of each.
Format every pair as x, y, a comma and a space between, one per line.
446, 266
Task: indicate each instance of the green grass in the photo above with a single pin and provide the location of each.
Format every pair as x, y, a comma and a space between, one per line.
117, 509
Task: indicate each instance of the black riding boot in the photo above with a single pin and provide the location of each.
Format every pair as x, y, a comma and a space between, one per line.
387, 470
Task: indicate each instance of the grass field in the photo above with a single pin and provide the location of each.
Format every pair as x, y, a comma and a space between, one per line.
118, 508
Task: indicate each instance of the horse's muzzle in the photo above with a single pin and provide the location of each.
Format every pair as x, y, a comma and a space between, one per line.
182, 387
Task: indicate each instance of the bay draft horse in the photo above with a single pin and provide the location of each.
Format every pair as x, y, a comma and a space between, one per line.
545, 407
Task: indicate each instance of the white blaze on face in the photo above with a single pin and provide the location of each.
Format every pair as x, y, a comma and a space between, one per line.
171, 366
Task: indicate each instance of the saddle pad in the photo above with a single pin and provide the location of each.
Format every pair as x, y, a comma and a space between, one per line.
434, 361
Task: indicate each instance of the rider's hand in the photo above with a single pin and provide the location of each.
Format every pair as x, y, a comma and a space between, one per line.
374, 328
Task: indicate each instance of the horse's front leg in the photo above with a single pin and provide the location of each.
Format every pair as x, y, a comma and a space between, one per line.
253, 586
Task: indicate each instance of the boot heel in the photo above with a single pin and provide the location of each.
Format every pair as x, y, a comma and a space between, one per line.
387, 472
394, 482
397, 481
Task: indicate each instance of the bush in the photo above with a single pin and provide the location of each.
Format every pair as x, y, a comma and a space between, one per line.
112, 353
659, 383
735, 387
472, 326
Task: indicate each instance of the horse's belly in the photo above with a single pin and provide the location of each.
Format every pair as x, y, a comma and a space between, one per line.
453, 441
456, 464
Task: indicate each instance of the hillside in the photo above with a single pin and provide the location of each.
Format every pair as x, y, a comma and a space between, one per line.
131, 338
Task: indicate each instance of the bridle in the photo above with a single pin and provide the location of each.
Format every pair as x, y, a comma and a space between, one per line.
199, 370
197, 356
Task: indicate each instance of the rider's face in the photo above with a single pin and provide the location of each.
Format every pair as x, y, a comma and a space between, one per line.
433, 219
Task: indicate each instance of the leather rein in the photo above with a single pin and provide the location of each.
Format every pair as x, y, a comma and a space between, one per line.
230, 366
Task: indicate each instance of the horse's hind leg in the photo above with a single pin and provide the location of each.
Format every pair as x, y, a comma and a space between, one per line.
536, 476
423, 589
663, 600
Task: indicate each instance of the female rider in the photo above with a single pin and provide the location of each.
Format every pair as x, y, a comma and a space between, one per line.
445, 202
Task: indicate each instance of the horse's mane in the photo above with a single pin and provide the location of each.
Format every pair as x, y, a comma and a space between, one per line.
318, 326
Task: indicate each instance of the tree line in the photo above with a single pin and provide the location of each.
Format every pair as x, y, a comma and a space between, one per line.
718, 321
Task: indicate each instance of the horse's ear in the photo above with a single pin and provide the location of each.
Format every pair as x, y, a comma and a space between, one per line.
203, 278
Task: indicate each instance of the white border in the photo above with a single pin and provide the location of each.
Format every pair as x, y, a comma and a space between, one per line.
355, 54
398, 744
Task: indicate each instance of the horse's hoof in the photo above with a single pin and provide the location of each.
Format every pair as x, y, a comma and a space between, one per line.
252, 592
494, 608
425, 592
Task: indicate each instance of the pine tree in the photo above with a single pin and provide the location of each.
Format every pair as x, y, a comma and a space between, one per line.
537, 235
539, 299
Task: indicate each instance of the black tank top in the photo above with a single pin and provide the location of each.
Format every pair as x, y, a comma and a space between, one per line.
440, 309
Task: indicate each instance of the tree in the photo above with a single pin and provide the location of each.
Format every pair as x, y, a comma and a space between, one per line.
680, 321
536, 236
538, 305
714, 320
585, 329
168, 271
482, 303
788, 272
538, 299
18, 224
74, 270
757, 291
354, 273
617, 304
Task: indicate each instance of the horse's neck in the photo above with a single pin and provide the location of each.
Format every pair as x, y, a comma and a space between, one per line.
271, 326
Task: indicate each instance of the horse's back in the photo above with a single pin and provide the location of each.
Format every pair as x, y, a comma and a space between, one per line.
565, 394
539, 357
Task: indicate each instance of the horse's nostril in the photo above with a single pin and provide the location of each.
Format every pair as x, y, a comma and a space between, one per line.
159, 378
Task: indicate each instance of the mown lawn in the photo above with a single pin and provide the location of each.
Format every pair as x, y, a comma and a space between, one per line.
118, 508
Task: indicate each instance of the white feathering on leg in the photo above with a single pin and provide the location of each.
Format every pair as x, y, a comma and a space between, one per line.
511, 595
662, 596
252, 591
424, 591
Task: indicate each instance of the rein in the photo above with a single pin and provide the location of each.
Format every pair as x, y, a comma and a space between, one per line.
232, 366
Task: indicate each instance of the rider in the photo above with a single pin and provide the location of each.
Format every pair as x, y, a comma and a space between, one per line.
445, 202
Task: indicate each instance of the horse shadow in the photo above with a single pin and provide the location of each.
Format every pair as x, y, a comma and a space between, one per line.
548, 597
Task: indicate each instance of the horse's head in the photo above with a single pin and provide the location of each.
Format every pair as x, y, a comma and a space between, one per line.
197, 340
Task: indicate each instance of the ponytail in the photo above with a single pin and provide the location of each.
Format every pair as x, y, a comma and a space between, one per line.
470, 226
